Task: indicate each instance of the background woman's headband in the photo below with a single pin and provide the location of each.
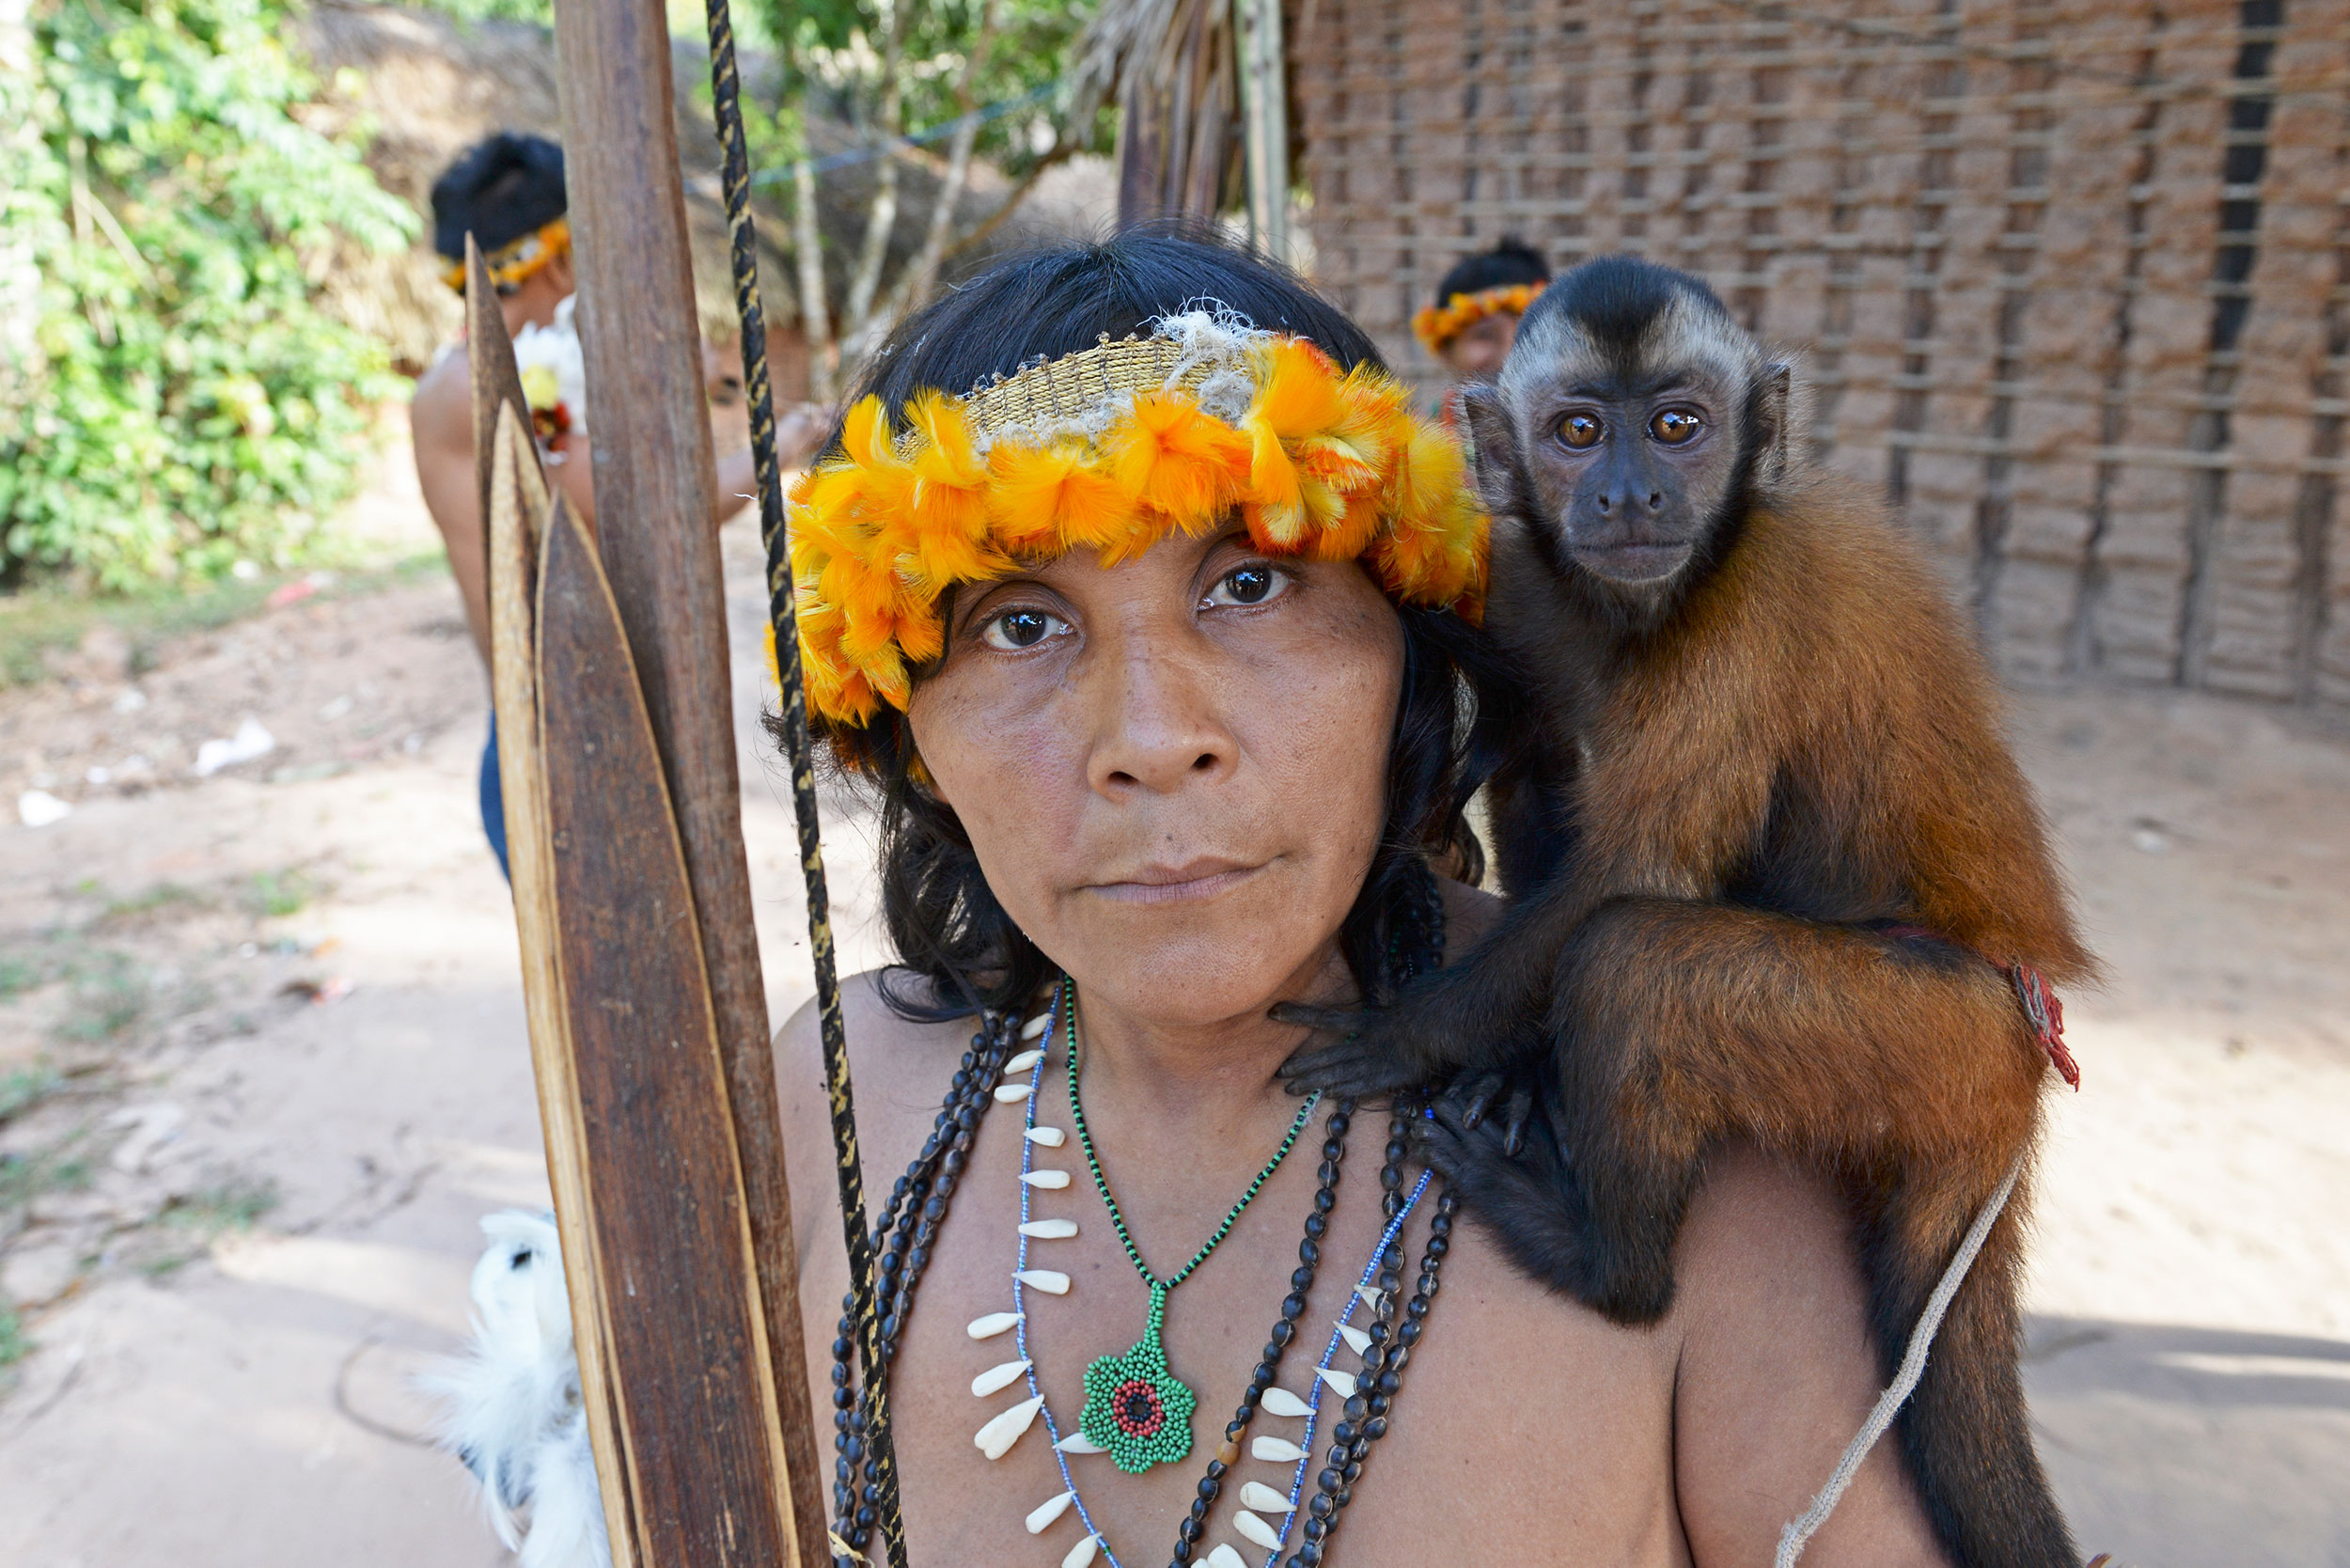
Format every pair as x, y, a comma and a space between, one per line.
1112, 449
1436, 325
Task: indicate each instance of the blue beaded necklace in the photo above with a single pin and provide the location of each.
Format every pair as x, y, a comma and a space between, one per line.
1063, 1005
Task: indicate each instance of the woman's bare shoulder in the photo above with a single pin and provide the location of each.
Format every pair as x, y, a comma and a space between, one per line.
899, 1068
1778, 1370
902, 1059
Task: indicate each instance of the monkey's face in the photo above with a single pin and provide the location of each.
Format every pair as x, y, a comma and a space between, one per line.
1632, 474
1626, 429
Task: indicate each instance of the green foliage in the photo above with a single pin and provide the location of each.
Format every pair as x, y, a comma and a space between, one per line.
538, 12
26, 1176
277, 894
235, 1204
50, 617
23, 1088
163, 898
18, 975
231, 1207
110, 994
836, 48
14, 1345
172, 397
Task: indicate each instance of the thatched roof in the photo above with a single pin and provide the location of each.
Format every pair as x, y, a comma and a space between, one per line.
1171, 66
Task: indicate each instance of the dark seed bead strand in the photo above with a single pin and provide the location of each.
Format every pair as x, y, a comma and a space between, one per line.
1363, 1418
901, 1246
1268, 1367
918, 1205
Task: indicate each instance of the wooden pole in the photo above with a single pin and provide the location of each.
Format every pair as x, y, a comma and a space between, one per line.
648, 425
679, 1385
1264, 112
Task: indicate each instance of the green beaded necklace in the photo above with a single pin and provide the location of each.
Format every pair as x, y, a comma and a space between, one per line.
1136, 1408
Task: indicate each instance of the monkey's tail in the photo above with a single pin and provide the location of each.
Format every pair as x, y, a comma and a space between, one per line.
1965, 1430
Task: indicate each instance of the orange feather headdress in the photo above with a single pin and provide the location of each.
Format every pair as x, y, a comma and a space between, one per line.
1111, 449
1436, 325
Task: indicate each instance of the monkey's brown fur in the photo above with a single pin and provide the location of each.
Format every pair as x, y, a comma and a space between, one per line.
1817, 704
1763, 790
1772, 868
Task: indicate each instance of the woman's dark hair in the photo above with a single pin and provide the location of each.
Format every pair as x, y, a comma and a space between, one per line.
1512, 261
499, 189
951, 935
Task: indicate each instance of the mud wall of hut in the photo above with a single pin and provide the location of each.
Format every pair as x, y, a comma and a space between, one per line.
2071, 277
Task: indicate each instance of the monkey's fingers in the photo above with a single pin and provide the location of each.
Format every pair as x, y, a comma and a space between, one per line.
1326, 1020
1478, 1095
1513, 1129
1348, 1066
1459, 1142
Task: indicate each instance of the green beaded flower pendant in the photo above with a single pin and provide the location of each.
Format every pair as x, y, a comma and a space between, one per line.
1135, 1407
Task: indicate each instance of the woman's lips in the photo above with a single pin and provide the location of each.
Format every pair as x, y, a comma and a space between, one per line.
1203, 878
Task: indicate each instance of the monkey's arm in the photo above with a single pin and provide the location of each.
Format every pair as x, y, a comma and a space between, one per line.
1477, 1013
1677, 1025
1671, 835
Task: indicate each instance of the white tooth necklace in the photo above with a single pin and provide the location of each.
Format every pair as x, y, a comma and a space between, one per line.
1248, 1521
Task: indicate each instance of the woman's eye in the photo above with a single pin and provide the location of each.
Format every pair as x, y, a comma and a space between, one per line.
1579, 430
1248, 584
1674, 426
1017, 629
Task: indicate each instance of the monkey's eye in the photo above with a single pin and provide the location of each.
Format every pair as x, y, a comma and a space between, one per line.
1016, 629
1675, 426
1580, 431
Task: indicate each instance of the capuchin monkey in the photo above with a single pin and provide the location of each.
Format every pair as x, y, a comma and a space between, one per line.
1776, 876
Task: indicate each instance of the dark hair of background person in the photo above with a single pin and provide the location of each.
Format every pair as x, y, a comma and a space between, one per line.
500, 189
1512, 261
952, 938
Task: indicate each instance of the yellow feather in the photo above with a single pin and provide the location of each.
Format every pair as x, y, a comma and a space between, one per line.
1045, 501
1172, 458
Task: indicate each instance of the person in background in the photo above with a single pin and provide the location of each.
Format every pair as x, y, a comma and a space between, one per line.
1475, 317
508, 192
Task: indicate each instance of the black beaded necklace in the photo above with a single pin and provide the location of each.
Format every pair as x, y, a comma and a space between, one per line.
918, 1202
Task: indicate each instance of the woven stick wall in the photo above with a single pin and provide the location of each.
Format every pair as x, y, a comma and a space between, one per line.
2072, 277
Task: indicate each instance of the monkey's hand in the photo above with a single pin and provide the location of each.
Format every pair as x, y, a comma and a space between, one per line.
1346, 1056
1420, 1040
1517, 1181
1361, 1056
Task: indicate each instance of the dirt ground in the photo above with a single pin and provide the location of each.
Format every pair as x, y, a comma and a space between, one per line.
263, 1067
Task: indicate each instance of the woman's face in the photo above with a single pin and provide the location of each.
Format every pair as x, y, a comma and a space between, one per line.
1476, 354
1173, 770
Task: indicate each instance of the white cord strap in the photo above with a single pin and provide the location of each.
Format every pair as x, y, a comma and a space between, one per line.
1800, 1531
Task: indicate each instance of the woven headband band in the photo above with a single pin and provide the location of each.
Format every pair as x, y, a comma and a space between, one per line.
1112, 449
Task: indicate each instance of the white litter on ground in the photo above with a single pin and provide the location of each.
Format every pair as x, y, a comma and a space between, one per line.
251, 740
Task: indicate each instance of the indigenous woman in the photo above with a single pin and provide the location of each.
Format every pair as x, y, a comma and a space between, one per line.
1129, 590
1475, 317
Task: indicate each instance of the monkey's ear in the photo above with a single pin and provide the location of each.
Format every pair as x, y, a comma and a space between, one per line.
1773, 410
1494, 443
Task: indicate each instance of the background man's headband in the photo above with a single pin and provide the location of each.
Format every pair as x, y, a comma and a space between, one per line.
512, 263
1112, 449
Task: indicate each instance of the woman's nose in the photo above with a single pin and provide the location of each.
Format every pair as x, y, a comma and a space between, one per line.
1157, 724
